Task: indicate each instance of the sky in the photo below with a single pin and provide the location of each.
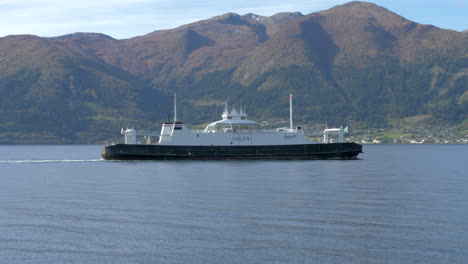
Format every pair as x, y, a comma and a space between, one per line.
122, 19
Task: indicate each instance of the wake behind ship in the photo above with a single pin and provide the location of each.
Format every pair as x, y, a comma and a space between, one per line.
234, 137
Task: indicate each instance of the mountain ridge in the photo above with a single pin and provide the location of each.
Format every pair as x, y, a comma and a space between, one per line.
356, 63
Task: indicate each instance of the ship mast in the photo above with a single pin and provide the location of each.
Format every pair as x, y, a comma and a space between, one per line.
175, 108
290, 113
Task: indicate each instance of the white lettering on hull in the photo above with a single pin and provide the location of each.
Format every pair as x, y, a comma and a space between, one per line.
241, 138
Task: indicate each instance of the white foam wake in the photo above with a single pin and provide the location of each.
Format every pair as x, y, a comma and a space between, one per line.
49, 161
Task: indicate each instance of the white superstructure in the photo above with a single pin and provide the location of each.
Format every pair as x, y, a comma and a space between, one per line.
333, 131
233, 129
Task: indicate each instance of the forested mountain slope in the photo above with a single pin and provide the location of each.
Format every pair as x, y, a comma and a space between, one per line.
356, 63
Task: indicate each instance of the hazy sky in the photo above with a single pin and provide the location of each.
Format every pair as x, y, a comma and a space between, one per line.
129, 18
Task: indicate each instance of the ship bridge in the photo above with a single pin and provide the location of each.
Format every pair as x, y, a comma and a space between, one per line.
233, 121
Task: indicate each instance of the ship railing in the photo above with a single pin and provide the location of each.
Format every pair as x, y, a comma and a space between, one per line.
148, 133
246, 131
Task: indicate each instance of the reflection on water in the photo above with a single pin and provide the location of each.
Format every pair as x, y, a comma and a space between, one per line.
399, 204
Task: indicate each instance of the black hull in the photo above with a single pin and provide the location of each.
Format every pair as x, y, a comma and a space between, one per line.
274, 152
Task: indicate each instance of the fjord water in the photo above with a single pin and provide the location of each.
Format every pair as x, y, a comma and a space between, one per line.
398, 204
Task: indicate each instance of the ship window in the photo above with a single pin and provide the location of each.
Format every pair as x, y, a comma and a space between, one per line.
243, 117
229, 117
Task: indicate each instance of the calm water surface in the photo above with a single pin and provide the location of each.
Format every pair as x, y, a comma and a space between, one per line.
399, 204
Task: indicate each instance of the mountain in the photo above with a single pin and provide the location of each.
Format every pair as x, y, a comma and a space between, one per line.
51, 93
365, 63
356, 63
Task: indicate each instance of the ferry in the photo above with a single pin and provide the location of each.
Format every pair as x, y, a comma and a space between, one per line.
234, 137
